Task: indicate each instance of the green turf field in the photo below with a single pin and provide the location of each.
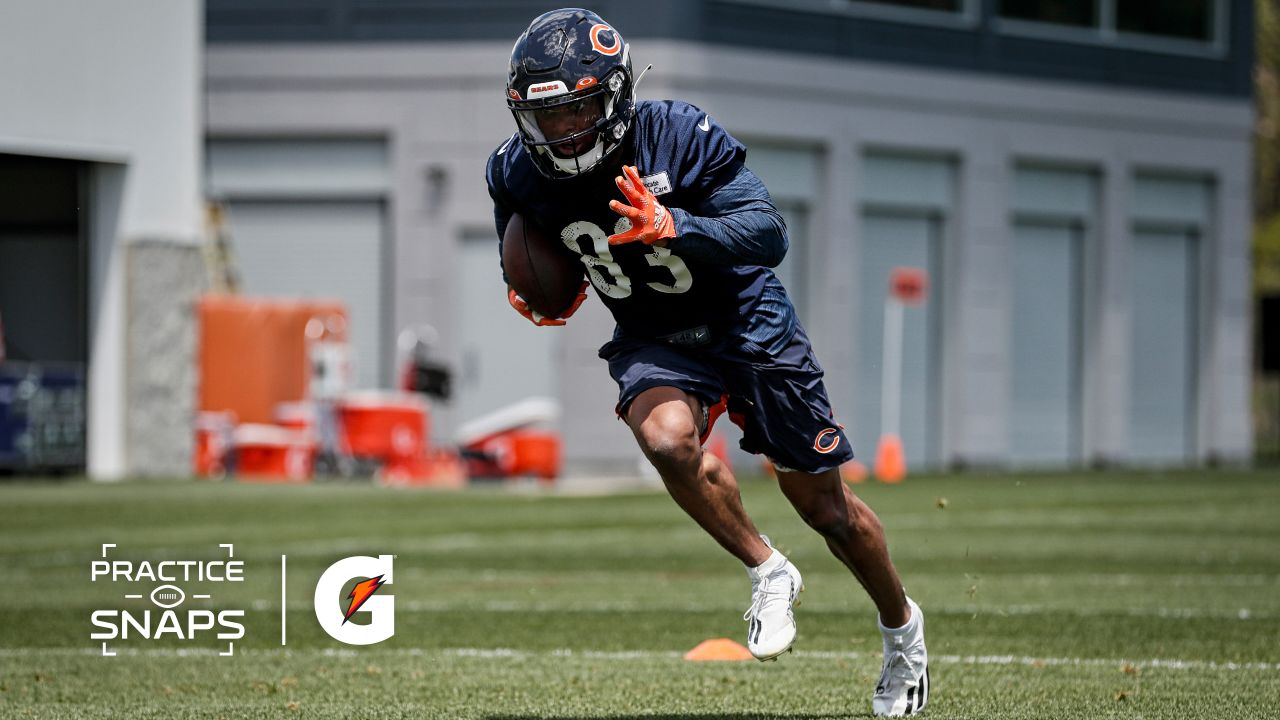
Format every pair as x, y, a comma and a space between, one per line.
1082, 596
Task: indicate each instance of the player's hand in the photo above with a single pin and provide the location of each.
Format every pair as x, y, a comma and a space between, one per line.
650, 221
529, 313
538, 318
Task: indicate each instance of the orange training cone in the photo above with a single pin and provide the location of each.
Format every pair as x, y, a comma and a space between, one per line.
718, 649
853, 472
891, 463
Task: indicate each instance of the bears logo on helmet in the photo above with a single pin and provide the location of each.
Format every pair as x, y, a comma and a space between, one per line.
600, 34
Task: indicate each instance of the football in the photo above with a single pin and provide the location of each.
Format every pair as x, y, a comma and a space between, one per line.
540, 268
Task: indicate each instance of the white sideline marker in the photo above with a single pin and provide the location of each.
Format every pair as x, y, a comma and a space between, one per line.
284, 606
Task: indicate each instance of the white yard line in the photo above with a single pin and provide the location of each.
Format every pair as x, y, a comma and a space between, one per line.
560, 606
621, 655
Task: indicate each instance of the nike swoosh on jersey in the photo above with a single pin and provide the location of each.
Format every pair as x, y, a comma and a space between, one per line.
505, 144
705, 125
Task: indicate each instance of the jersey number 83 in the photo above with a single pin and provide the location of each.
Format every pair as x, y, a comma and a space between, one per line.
607, 275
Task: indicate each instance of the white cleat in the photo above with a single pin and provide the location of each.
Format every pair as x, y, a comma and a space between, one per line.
775, 589
904, 681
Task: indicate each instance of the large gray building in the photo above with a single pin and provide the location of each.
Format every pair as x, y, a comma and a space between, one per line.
1075, 177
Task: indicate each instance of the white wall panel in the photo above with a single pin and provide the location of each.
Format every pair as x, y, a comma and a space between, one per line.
1045, 396
1162, 392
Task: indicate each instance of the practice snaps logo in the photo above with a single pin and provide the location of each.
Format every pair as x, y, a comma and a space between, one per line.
335, 611
167, 619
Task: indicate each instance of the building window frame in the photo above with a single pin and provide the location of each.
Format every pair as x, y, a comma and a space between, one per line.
967, 17
1106, 34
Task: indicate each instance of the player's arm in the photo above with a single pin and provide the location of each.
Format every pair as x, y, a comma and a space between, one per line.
501, 217
735, 224
502, 210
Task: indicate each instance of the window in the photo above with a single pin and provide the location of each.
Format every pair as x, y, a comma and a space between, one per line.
951, 13
1078, 13
1177, 26
1184, 19
948, 5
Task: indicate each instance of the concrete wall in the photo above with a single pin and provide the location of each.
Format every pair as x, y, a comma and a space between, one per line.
116, 84
441, 108
165, 280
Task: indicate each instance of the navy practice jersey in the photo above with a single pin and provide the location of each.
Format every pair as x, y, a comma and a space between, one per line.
713, 277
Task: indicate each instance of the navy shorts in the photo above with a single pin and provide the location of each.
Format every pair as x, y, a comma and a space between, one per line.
779, 400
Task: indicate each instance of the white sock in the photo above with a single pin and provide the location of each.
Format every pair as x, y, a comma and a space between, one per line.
774, 561
913, 623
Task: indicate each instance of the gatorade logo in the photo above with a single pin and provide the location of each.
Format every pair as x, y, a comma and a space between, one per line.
381, 609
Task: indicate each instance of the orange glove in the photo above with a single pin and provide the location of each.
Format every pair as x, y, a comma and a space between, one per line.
538, 318
650, 221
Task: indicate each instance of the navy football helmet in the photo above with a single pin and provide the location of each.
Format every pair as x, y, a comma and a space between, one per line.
570, 89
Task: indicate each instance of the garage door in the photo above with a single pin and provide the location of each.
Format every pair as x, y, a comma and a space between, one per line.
1045, 362
892, 241
320, 250
1053, 211
1162, 399
308, 220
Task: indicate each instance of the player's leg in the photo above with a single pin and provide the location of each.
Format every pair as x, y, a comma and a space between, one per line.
663, 396
856, 538
853, 533
667, 423
790, 421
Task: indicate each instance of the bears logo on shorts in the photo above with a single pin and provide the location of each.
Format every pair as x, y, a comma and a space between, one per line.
820, 443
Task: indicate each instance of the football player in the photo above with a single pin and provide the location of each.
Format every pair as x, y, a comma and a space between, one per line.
677, 237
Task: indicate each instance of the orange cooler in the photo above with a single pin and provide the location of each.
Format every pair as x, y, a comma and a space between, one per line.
213, 443
536, 453
274, 454
382, 424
